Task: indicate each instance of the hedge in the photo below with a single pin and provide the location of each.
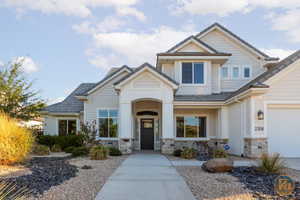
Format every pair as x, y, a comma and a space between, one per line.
62, 141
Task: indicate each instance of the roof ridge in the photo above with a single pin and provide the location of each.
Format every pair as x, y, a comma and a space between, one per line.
237, 37
195, 38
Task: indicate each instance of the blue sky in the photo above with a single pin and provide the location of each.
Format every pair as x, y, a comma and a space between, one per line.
64, 43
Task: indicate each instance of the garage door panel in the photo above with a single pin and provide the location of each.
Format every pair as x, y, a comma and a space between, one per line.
283, 128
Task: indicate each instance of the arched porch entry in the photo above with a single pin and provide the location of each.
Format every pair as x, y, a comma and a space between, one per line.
147, 124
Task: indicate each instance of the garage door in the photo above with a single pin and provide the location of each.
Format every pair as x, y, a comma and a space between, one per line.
283, 128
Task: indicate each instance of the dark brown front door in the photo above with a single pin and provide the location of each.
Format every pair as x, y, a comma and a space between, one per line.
147, 134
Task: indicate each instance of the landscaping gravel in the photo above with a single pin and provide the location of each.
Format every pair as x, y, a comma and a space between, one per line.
242, 183
45, 173
211, 186
87, 183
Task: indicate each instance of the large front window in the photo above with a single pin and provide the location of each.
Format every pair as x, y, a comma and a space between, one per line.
192, 73
108, 123
67, 127
190, 127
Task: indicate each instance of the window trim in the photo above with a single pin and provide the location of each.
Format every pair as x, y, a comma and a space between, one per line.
250, 72
204, 74
97, 124
192, 138
232, 72
68, 118
228, 72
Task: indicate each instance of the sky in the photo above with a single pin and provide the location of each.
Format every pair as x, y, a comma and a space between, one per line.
63, 43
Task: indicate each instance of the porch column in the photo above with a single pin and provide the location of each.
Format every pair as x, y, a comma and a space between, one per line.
223, 120
125, 128
167, 146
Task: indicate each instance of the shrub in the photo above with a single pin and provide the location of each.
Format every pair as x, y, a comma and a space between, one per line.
80, 151
189, 153
15, 141
69, 149
220, 153
271, 163
98, 153
56, 148
177, 152
41, 150
114, 151
62, 141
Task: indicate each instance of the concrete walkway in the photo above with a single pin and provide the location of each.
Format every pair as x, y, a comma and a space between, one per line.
293, 163
145, 177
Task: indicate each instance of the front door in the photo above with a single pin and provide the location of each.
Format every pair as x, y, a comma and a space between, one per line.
147, 134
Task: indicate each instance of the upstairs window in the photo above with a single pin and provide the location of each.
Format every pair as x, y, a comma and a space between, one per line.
108, 123
235, 72
225, 72
192, 73
67, 127
247, 72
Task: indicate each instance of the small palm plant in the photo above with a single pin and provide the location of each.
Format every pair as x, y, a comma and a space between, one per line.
271, 163
11, 192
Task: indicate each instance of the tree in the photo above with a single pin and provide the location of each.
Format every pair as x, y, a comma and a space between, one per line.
17, 98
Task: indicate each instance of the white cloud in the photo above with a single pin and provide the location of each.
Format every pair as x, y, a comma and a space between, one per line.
135, 47
130, 11
1, 63
280, 53
28, 64
202, 7
285, 13
109, 23
289, 22
80, 8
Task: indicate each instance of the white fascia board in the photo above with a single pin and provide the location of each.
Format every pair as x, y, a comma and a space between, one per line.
118, 86
193, 57
195, 42
109, 79
231, 37
245, 94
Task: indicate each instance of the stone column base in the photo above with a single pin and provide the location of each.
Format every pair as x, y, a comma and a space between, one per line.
125, 145
255, 147
167, 146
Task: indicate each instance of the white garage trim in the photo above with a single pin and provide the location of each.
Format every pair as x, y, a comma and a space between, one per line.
268, 103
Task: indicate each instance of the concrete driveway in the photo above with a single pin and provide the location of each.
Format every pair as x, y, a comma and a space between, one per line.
145, 177
293, 163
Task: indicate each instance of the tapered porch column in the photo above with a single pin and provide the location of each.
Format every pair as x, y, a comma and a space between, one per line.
125, 128
167, 146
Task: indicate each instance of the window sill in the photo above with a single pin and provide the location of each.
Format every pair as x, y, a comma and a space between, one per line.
191, 84
191, 139
106, 138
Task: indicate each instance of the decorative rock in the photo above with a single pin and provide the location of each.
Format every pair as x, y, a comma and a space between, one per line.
86, 167
218, 165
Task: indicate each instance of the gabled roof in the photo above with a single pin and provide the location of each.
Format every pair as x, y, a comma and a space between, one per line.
203, 98
197, 41
70, 104
107, 78
234, 36
259, 82
143, 67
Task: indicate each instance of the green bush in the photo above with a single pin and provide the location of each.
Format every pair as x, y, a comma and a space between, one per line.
69, 149
189, 153
41, 150
271, 163
177, 152
62, 141
80, 151
15, 141
220, 153
56, 148
98, 153
114, 151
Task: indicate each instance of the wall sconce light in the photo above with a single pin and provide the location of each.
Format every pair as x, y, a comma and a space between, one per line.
260, 115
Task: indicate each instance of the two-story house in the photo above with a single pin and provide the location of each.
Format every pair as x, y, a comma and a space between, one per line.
212, 87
